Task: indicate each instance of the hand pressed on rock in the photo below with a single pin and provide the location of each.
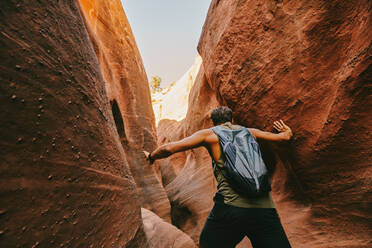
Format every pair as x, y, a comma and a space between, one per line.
147, 155
280, 126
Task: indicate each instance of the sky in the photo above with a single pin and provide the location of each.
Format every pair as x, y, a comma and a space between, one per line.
167, 33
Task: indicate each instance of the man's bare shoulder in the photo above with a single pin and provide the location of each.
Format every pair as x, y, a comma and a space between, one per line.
205, 132
209, 135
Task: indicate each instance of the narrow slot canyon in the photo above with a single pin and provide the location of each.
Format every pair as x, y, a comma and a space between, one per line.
78, 113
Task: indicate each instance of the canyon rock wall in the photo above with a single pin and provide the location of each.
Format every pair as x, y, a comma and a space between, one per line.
308, 63
129, 95
75, 93
76, 116
65, 181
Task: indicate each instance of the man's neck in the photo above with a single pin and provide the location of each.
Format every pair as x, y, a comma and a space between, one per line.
225, 123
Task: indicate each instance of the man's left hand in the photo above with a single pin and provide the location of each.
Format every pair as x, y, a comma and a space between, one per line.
146, 154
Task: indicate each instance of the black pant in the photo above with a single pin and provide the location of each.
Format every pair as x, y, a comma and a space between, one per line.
227, 225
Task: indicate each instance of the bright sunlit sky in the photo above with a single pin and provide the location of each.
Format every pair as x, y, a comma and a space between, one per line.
167, 34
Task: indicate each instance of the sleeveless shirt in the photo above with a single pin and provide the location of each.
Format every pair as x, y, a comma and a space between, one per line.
230, 197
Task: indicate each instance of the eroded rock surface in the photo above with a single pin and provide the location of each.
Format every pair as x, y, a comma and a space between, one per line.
161, 234
129, 94
308, 63
64, 177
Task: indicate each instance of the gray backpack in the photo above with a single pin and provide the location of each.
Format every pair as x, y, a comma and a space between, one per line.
244, 167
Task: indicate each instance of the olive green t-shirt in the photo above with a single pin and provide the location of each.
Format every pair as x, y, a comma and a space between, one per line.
230, 196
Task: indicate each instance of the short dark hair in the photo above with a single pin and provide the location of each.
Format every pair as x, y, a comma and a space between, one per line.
221, 115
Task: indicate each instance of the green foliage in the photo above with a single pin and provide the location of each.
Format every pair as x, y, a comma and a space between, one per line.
155, 84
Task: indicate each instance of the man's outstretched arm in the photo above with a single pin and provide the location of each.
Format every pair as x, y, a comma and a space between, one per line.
285, 132
193, 141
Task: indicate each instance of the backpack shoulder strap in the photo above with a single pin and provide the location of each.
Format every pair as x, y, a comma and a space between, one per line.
250, 136
228, 135
223, 134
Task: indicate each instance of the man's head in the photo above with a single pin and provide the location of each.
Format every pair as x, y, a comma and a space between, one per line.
221, 115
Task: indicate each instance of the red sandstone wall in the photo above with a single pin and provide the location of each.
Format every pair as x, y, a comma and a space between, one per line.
126, 84
65, 174
308, 63
64, 177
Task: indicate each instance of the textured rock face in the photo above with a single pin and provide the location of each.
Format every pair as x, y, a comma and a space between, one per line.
308, 63
161, 234
65, 179
128, 91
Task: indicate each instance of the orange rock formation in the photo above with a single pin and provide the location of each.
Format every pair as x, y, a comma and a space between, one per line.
129, 94
77, 116
308, 63
65, 177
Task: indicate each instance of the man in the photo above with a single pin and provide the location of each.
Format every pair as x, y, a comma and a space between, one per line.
233, 216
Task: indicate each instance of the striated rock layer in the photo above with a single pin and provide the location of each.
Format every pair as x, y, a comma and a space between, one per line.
308, 63
129, 94
74, 93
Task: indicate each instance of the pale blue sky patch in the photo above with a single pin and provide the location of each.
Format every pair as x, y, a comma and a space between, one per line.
167, 33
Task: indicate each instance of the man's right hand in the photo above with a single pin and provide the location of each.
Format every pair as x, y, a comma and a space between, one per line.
285, 132
280, 126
